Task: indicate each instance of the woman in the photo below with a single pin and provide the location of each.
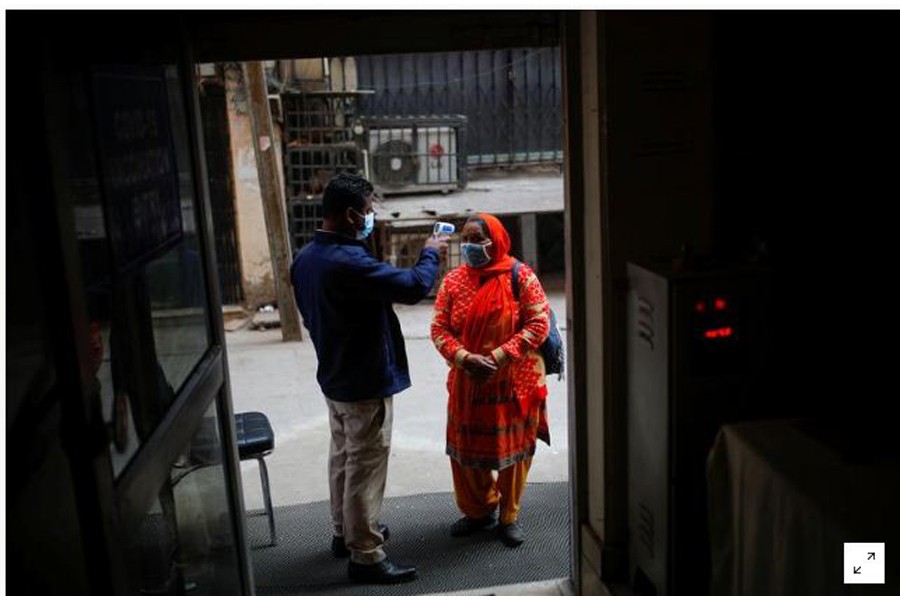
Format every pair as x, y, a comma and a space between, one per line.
497, 404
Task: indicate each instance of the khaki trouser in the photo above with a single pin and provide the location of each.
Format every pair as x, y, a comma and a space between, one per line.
478, 493
357, 471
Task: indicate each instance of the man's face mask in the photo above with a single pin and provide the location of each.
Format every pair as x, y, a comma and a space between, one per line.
368, 226
475, 254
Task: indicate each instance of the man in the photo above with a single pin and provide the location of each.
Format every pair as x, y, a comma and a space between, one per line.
345, 297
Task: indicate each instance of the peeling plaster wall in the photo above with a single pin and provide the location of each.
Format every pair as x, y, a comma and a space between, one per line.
256, 260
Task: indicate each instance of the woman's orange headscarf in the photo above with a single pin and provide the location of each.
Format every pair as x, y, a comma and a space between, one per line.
490, 319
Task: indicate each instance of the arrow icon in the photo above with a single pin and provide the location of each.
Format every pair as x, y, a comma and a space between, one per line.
856, 570
871, 556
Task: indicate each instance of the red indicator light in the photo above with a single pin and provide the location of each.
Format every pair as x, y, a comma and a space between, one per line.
700, 306
720, 304
721, 332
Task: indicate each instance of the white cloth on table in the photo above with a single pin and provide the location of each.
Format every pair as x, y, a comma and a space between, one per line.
781, 506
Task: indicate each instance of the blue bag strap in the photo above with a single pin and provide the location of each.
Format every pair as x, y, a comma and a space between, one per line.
515, 280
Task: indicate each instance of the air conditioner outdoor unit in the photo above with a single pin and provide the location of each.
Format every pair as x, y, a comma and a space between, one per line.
416, 154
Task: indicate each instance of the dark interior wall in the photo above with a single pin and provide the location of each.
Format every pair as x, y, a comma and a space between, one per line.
720, 126
806, 122
41, 504
658, 96
46, 487
656, 141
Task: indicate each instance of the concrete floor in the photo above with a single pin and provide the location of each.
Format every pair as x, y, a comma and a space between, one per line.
278, 378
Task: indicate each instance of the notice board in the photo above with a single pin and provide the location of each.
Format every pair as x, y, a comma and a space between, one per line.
138, 167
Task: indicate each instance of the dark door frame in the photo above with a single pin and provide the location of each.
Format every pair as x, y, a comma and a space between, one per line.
275, 37
111, 509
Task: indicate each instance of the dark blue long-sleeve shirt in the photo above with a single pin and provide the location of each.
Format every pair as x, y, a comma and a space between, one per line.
345, 297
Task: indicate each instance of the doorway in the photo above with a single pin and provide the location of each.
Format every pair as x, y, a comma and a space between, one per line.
278, 378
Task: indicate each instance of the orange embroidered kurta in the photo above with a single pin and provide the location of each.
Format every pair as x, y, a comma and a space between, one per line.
496, 423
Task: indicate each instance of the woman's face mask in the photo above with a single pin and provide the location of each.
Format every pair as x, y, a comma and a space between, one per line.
475, 254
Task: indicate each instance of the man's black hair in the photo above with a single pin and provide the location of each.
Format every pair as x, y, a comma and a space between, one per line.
345, 190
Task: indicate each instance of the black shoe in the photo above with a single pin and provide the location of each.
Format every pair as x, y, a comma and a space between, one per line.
468, 525
383, 572
511, 535
339, 547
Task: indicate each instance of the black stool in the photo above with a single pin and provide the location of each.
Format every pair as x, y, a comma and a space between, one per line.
256, 440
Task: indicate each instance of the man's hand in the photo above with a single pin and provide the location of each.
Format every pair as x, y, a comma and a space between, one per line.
480, 367
439, 243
